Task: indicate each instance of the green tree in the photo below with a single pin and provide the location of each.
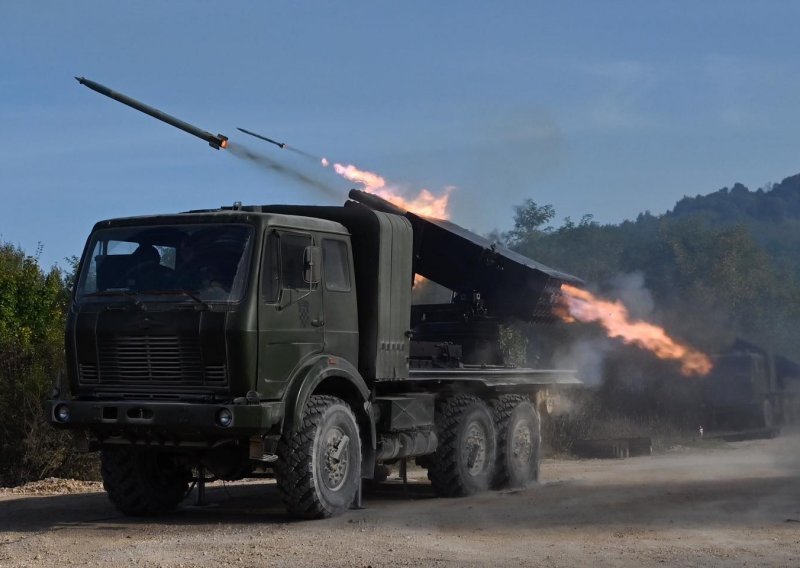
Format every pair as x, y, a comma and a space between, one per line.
530, 222
33, 305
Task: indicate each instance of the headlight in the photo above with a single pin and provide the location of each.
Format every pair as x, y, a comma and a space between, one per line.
62, 413
224, 417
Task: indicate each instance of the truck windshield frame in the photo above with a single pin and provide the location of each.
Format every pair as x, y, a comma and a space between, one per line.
209, 262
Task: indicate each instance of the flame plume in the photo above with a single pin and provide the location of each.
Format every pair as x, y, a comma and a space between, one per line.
579, 305
424, 203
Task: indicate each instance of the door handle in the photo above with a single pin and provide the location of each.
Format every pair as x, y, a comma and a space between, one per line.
318, 322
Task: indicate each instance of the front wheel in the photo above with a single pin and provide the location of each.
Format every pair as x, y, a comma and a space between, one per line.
319, 466
142, 482
465, 459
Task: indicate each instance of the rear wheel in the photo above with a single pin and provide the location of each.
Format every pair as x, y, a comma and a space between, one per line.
141, 483
518, 440
319, 466
465, 459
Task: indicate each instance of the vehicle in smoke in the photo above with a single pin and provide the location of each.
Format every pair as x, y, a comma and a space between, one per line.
281, 340
751, 388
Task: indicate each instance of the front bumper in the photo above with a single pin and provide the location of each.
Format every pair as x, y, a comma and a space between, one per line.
165, 423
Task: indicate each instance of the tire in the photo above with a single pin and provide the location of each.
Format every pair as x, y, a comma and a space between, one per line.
143, 483
464, 462
767, 419
318, 477
519, 440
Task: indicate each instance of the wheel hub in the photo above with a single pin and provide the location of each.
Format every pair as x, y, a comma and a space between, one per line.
474, 450
521, 444
337, 458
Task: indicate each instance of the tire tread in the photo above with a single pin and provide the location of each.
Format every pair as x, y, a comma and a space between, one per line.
129, 489
502, 410
293, 469
443, 469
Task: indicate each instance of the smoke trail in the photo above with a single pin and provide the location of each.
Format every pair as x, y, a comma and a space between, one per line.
267, 163
304, 154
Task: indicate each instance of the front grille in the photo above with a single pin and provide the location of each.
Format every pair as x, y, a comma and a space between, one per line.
154, 361
216, 374
88, 373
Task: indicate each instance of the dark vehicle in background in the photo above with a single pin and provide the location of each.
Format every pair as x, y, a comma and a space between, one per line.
750, 388
281, 340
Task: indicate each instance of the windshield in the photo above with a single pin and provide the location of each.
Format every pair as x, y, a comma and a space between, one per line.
208, 262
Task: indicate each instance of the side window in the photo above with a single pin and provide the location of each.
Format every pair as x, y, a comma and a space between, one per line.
271, 269
337, 270
168, 255
121, 247
292, 247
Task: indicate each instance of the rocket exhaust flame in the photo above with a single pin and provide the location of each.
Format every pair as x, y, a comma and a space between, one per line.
424, 203
577, 304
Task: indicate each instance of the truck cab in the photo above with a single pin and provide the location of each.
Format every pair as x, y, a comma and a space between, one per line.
208, 308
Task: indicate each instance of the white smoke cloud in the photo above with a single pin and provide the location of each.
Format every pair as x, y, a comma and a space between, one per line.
587, 356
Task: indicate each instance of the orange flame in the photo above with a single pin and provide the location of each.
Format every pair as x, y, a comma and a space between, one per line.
424, 203
580, 305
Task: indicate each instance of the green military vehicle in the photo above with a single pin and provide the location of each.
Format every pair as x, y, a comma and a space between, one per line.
751, 389
282, 340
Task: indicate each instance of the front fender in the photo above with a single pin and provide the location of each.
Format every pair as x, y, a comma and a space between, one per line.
311, 375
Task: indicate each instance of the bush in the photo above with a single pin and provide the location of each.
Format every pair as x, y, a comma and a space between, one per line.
33, 305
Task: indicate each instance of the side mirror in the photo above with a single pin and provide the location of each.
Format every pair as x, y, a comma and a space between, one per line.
312, 265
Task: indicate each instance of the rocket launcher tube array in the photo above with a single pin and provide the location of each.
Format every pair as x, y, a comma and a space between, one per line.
510, 284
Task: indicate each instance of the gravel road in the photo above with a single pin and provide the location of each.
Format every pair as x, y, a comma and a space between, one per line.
724, 505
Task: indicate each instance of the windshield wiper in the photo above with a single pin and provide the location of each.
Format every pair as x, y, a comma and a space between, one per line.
114, 292
133, 294
128, 293
186, 293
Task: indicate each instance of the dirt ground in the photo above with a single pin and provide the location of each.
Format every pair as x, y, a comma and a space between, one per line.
732, 504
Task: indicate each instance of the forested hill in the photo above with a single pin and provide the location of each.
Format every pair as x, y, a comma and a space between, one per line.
774, 203
718, 266
771, 214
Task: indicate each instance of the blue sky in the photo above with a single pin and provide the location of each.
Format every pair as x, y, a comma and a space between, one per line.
609, 108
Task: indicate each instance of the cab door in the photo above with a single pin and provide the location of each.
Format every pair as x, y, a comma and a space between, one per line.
291, 324
341, 308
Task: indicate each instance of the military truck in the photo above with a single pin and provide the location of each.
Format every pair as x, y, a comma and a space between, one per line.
281, 340
751, 389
